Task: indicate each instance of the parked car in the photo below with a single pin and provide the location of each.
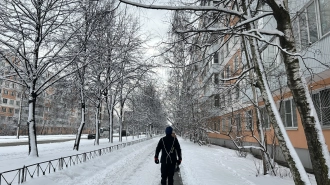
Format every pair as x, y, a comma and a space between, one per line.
91, 136
124, 133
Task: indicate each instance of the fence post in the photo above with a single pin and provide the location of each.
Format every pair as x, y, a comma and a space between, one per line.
38, 169
19, 176
24, 174
49, 163
100, 152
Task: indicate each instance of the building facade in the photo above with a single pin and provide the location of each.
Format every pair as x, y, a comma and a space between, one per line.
229, 95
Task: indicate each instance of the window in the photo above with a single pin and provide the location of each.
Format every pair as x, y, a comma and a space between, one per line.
223, 124
217, 100
223, 101
324, 15
238, 122
7, 84
4, 100
237, 92
12, 93
222, 76
236, 64
321, 102
215, 126
11, 102
222, 56
228, 71
11, 110
312, 23
216, 78
18, 103
216, 58
16, 111
265, 117
249, 120
18, 95
3, 109
5, 91
269, 57
229, 99
288, 113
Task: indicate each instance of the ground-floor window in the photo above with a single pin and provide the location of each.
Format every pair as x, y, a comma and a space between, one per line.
288, 113
248, 120
223, 124
321, 102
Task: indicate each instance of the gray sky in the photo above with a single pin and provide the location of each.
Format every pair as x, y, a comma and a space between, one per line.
155, 24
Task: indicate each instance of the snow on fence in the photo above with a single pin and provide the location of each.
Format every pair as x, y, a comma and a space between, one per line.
20, 175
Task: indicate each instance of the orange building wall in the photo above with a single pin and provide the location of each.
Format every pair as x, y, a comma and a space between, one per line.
296, 135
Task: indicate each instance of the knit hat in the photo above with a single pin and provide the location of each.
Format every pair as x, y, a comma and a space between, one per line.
168, 130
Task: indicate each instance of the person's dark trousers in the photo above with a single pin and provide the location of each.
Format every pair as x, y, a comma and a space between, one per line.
167, 171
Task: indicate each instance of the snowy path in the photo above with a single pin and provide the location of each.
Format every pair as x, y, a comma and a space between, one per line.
130, 166
134, 165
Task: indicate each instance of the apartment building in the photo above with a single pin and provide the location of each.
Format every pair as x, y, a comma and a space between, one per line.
10, 101
311, 25
217, 66
55, 113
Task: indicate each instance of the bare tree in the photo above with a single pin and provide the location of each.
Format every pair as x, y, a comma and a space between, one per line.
36, 34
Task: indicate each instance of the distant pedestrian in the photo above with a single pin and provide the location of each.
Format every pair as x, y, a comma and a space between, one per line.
171, 155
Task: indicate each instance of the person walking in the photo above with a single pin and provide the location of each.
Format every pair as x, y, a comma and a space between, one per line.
171, 155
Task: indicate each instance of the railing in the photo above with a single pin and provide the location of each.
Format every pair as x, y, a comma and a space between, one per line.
20, 175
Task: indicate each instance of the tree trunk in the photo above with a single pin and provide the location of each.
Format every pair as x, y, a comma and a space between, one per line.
32, 134
299, 174
318, 150
82, 123
120, 122
265, 159
97, 123
111, 118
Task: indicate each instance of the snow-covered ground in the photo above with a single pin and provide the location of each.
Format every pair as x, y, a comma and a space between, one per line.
12, 139
132, 165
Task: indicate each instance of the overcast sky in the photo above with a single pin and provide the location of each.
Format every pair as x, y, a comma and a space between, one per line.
155, 24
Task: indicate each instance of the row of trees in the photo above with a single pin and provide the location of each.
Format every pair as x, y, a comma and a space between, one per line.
203, 26
91, 50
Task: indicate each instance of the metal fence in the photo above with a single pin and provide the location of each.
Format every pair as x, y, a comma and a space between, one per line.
20, 175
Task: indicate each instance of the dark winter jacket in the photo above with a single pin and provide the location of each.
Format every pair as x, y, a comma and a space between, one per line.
170, 147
